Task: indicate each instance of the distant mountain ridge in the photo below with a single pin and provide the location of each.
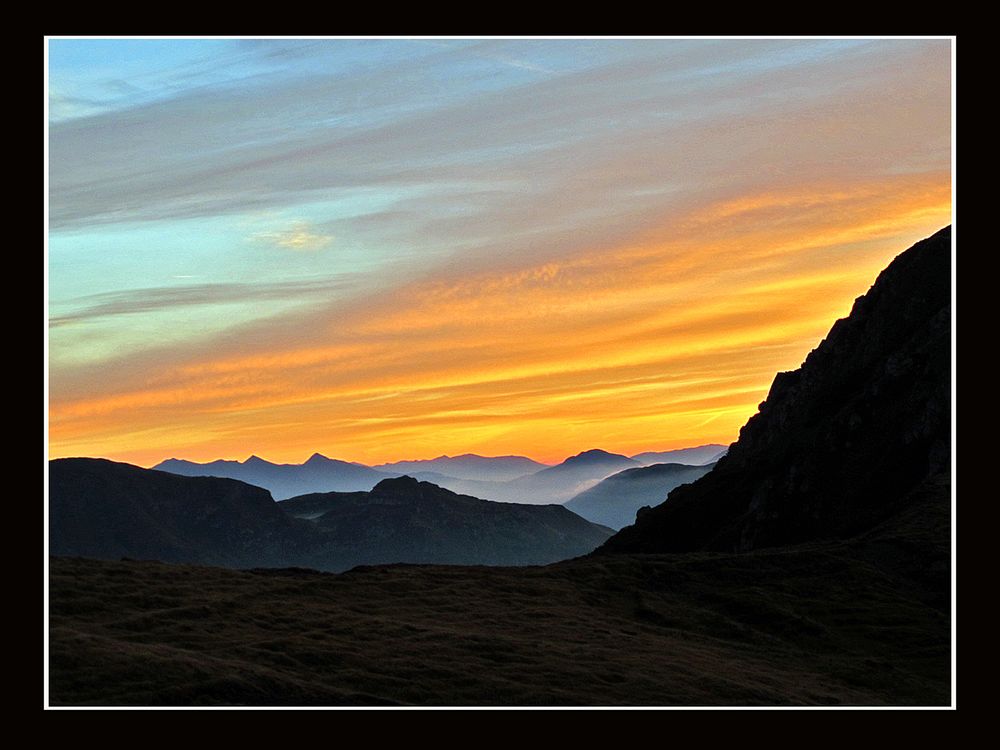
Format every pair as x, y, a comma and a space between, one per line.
468, 466
614, 501
840, 444
509, 479
318, 473
555, 484
698, 456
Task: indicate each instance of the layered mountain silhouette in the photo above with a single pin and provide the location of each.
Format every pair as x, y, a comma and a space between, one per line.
109, 510
467, 473
556, 484
840, 445
699, 456
466, 466
614, 501
510, 479
318, 474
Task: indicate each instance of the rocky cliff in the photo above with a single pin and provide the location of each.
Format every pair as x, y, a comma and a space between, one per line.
841, 443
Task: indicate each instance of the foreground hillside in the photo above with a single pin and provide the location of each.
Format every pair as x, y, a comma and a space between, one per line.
860, 622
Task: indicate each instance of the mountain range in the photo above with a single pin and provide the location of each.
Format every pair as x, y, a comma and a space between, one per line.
511, 479
284, 480
109, 510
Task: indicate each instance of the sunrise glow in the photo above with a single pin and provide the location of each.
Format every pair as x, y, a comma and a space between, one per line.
392, 249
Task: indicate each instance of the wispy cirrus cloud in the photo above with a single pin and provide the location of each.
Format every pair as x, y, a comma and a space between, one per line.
556, 244
136, 301
200, 154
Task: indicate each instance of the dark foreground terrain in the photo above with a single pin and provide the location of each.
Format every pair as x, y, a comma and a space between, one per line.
861, 622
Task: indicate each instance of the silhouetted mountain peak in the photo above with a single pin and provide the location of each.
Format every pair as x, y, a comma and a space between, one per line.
318, 474
593, 456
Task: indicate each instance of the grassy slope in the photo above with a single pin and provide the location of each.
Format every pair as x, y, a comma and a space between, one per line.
834, 623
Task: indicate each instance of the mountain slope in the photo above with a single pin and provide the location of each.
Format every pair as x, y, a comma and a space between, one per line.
699, 456
314, 505
103, 509
613, 502
840, 444
318, 474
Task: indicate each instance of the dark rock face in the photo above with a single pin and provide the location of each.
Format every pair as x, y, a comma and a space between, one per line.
839, 444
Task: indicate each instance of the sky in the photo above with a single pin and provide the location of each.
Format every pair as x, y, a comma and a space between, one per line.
387, 249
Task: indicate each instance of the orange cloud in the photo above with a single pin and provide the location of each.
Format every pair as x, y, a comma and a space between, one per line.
667, 341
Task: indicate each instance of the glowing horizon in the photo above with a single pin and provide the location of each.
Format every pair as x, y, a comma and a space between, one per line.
398, 249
